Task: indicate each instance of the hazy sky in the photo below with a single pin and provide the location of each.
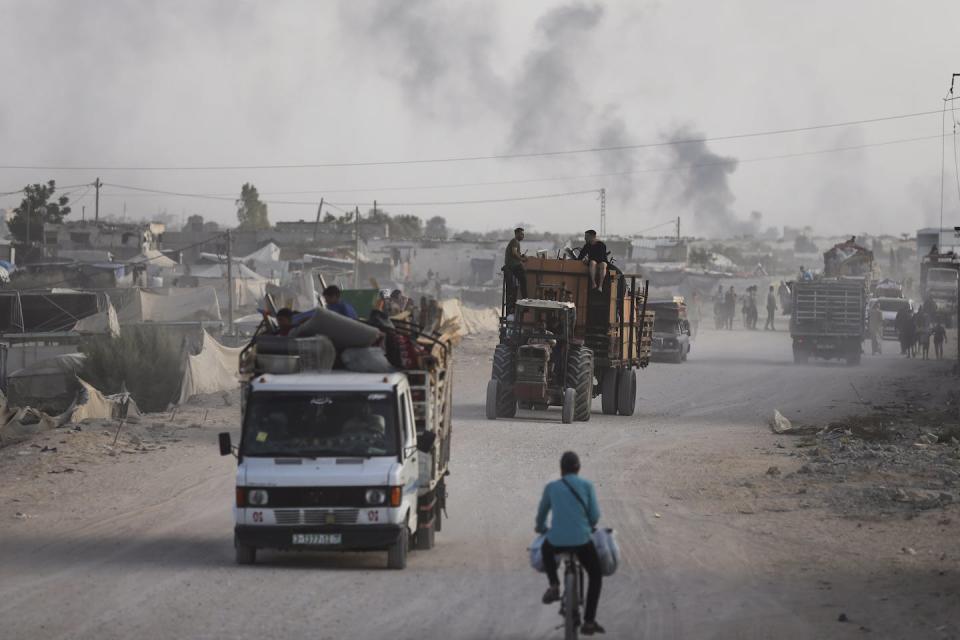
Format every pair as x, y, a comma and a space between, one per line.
106, 83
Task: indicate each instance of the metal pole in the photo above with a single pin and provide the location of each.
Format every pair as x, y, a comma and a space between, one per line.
29, 220
96, 209
603, 213
678, 233
316, 226
356, 247
229, 285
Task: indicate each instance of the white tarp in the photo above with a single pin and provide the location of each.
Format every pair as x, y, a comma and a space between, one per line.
462, 320
213, 370
171, 305
104, 323
267, 253
153, 258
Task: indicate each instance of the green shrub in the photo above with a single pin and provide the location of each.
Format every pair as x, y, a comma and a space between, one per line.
146, 360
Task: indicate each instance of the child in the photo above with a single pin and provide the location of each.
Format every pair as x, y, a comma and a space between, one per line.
939, 337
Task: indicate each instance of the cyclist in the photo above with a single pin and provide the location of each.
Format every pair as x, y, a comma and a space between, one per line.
575, 514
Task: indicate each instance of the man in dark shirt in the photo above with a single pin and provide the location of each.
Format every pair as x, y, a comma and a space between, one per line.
594, 253
513, 262
331, 295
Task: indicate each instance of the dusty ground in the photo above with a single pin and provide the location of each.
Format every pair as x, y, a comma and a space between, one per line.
134, 540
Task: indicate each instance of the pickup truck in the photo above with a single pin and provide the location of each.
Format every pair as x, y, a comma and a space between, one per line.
339, 460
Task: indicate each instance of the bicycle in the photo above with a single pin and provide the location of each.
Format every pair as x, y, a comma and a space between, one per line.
572, 594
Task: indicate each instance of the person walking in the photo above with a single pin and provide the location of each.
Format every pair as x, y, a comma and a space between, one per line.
696, 313
875, 328
939, 337
771, 310
730, 307
905, 331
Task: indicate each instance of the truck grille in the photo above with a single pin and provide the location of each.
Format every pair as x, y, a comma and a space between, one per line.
315, 516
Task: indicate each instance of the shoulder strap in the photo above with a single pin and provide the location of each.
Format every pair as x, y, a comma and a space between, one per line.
576, 495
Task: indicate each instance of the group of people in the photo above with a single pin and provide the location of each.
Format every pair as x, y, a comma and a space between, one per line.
725, 308
914, 331
593, 253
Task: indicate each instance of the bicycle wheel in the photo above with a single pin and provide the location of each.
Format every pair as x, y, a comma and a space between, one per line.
571, 605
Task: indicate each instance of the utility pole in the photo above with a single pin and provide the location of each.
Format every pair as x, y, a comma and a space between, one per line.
96, 201
229, 284
316, 226
678, 231
29, 220
356, 247
603, 213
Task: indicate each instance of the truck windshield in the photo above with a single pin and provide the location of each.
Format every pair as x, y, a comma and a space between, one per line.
664, 325
942, 276
330, 424
893, 305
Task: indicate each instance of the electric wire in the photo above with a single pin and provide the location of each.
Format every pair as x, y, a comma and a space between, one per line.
473, 158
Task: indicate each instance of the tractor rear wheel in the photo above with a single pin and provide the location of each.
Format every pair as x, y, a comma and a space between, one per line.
580, 379
608, 391
503, 372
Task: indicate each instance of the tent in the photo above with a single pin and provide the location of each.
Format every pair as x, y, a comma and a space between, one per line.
104, 322
49, 385
213, 370
154, 259
171, 305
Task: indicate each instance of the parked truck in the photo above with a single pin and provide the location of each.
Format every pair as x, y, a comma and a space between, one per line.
938, 286
341, 460
828, 319
566, 342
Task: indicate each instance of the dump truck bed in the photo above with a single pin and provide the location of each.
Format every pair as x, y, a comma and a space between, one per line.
828, 307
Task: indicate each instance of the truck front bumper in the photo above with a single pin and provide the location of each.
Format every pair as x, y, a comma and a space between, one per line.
353, 537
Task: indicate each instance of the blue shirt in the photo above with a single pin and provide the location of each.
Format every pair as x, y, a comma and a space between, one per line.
344, 309
571, 525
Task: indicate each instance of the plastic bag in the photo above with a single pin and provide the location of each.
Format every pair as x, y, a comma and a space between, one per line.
607, 549
366, 360
536, 555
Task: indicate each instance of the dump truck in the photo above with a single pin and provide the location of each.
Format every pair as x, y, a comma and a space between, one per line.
330, 459
566, 343
938, 286
828, 319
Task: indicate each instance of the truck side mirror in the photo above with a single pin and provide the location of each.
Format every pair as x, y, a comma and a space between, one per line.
226, 447
425, 441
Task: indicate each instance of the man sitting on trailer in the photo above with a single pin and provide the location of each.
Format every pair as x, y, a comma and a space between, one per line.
594, 253
332, 295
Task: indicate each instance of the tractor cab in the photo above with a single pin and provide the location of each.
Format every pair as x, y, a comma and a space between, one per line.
543, 330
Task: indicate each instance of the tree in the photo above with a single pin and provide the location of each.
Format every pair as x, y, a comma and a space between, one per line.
406, 227
37, 205
251, 212
436, 228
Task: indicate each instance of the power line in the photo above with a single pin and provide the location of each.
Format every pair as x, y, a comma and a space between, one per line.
224, 198
473, 158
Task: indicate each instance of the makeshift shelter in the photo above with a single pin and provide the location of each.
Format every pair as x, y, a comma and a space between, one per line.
49, 385
154, 259
105, 322
171, 305
249, 287
212, 370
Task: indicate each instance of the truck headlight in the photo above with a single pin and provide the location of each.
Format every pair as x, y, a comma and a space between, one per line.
375, 496
257, 497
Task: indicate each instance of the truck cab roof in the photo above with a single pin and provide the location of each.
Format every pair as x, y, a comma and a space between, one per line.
328, 381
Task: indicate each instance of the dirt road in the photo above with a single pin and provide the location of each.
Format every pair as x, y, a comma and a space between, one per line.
139, 544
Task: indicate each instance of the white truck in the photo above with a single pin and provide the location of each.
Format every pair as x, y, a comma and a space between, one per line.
337, 460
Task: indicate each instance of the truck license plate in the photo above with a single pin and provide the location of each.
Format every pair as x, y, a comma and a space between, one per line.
317, 538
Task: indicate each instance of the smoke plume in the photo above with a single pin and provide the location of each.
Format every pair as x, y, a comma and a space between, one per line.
698, 182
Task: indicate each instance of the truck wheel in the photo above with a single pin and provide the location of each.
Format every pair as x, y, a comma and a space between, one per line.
397, 553
245, 554
569, 400
627, 392
608, 391
503, 373
493, 393
580, 379
423, 541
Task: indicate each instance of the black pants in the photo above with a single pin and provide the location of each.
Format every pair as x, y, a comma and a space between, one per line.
588, 557
769, 324
518, 272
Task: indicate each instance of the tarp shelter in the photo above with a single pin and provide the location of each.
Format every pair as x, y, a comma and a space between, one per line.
105, 322
47, 311
267, 253
170, 305
213, 370
249, 287
155, 260
49, 385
